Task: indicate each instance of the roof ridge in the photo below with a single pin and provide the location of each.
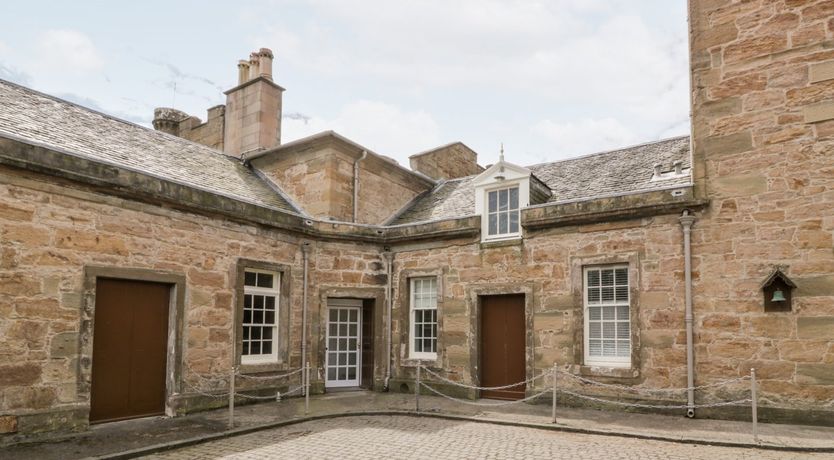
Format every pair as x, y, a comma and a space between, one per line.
605, 152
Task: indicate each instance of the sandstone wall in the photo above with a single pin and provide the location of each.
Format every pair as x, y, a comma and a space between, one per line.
50, 232
447, 162
547, 268
763, 137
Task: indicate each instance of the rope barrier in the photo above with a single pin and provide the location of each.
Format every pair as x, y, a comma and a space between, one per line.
270, 377
473, 387
483, 404
655, 406
651, 390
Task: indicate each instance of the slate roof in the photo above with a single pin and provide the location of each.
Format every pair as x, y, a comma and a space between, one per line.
55, 123
615, 172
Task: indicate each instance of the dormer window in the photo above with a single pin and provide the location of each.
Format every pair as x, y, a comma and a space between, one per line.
501, 192
503, 212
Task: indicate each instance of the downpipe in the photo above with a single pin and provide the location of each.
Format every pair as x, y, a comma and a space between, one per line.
389, 262
305, 255
686, 221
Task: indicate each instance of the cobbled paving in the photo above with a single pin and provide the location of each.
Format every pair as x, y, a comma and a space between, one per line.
402, 437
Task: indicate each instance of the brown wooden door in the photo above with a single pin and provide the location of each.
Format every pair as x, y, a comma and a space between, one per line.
130, 336
502, 345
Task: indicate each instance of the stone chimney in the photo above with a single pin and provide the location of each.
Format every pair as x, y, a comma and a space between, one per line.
253, 107
168, 120
447, 162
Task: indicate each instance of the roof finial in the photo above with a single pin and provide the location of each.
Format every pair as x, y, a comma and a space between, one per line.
501, 155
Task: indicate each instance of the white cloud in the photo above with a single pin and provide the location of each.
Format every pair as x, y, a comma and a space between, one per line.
384, 128
66, 50
584, 136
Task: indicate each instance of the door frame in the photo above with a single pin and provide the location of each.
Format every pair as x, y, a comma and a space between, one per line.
176, 307
318, 333
359, 308
473, 305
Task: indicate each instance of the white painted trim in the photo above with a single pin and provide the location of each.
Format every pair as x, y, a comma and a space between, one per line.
606, 361
411, 323
275, 292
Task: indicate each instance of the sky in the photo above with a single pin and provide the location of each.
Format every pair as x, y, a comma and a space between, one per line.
548, 79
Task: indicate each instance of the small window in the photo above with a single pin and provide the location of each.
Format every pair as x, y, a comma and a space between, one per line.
424, 318
260, 317
502, 212
607, 316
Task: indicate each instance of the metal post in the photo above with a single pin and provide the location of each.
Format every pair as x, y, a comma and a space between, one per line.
417, 389
555, 373
232, 398
306, 388
754, 405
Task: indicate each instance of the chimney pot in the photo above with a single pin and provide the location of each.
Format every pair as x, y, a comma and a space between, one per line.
265, 60
657, 169
678, 165
242, 71
254, 66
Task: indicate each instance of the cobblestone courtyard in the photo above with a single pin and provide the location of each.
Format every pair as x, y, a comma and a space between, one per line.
402, 437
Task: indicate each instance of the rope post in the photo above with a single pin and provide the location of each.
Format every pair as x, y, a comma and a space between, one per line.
417, 389
306, 388
232, 398
754, 405
555, 373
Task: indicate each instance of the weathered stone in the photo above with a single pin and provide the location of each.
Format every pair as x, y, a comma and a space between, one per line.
64, 345
729, 144
755, 47
815, 374
8, 424
815, 286
819, 112
19, 374
815, 327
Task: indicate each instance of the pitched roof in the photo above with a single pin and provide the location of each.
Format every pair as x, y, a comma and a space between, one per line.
54, 123
615, 172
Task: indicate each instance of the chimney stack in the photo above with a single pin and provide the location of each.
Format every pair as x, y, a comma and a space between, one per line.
253, 107
657, 170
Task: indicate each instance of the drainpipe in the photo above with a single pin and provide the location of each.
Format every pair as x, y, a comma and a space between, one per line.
389, 264
686, 221
305, 255
356, 184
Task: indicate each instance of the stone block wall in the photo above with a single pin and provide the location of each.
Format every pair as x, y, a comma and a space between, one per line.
763, 139
547, 267
180, 124
49, 233
447, 162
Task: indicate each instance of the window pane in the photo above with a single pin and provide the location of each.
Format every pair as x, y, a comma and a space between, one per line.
514, 198
493, 201
608, 313
513, 221
607, 277
502, 223
245, 332
418, 346
267, 333
622, 276
622, 293
594, 331
353, 314
622, 330
608, 330
258, 317
594, 313
270, 303
247, 301
493, 224
352, 358
255, 348
259, 302
248, 279
593, 295
623, 348
256, 333
595, 348
622, 313
609, 348
270, 317
593, 277
607, 294
267, 348
247, 316
331, 373
264, 280
502, 200
245, 350
351, 373
343, 315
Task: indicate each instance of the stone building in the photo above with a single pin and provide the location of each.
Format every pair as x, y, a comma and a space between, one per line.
138, 266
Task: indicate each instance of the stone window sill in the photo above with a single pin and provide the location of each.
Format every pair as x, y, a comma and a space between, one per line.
260, 368
501, 243
619, 373
433, 364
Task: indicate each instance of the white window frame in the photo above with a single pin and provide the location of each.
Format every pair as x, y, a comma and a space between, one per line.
486, 213
275, 292
412, 332
606, 361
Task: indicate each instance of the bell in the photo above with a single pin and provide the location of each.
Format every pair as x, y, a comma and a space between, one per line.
778, 296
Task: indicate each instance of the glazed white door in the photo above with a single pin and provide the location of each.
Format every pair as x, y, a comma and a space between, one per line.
344, 354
